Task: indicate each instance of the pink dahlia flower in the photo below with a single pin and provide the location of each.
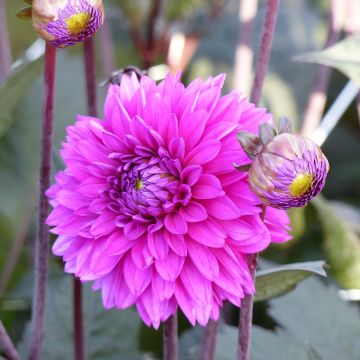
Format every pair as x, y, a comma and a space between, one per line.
150, 207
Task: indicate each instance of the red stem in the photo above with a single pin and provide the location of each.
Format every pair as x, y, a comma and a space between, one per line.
209, 341
244, 53
246, 310
7, 344
5, 51
41, 246
170, 339
78, 321
317, 98
272, 7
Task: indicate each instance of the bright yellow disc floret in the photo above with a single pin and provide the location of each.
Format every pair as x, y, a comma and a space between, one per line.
301, 184
77, 23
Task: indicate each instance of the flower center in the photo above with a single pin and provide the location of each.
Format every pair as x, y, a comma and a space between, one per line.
301, 184
77, 23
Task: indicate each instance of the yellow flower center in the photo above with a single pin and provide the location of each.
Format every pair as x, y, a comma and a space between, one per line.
301, 184
139, 184
77, 23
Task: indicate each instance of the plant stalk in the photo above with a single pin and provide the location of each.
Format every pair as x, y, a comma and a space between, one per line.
41, 246
170, 338
209, 340
7, 344
78, 320
272, 8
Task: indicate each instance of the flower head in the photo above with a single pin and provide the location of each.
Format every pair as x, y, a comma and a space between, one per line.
288, 170
150, 207
67, 22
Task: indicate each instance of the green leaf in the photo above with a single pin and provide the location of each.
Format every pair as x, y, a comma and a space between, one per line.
344, 56
280, 280
108, 334
342, 245
315, 316
13, 90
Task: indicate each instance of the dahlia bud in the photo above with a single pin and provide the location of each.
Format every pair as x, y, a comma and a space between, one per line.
288, 170
67, 22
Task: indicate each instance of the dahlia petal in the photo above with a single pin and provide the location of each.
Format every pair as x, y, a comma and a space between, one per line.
61, 244
157, 245
137, 280
207, 187
203, 259
203, 153
117, 244
196, 284
193, 212
123, 296
221, 208
134, 229
185, 302
208, 233
140, 254
175, 223
191, 127
104, 224
71, 199
176, 243
190, 174
170, 267
162, 289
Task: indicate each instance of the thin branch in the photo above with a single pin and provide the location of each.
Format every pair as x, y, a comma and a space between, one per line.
7, 344
272, 7
243, 66
41, 246
317, 98
246, 310
5, 51
78, 321
209, 341
170, 339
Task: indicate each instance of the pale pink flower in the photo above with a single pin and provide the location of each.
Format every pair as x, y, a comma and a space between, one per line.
150, 206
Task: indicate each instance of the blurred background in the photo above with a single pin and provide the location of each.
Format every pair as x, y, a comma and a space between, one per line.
202, 38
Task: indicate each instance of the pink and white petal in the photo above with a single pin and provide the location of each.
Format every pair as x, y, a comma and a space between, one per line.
193, 212
175, 223
170, 268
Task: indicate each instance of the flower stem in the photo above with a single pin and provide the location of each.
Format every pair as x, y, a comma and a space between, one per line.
5, 51
246, 310
170, 339
244, 53
41, 246
7, 344
209, 341
272, 7
317, 99
77, 318
89, 58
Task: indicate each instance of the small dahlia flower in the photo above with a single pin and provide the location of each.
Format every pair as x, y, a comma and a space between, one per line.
149, 206
67, 22
288, 170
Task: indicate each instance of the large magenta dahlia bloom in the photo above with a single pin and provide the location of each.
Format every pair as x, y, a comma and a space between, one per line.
150, 207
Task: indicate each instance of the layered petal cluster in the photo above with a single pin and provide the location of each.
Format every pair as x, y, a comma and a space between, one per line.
150, 207
67, 22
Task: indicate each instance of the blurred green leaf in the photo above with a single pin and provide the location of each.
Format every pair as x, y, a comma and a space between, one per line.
342, 245
108, 334
344, 56
277, 281
315, 315
13, 90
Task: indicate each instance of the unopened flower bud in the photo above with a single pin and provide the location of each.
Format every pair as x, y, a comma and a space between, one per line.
289, 170
67, 22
